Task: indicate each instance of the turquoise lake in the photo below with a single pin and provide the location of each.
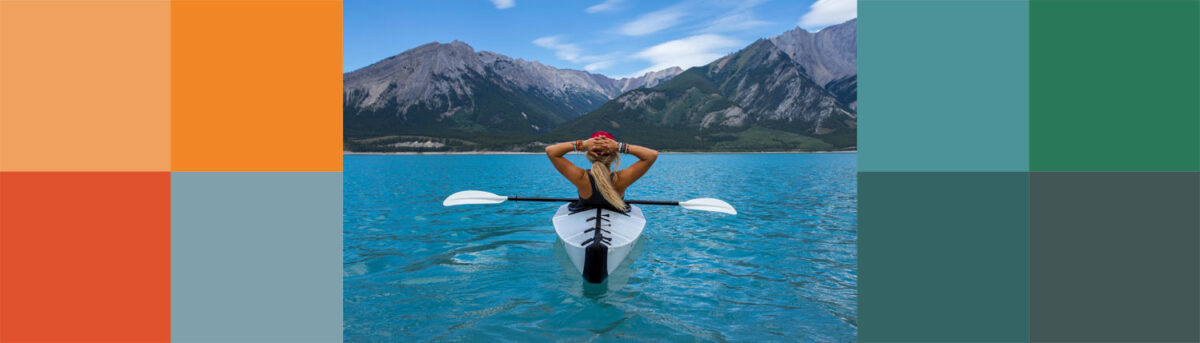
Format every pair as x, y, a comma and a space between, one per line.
783, 269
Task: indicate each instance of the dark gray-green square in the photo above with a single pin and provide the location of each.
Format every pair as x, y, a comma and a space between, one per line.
1115, 256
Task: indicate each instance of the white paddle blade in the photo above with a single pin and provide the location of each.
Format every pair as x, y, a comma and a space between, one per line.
709, 204
473, 198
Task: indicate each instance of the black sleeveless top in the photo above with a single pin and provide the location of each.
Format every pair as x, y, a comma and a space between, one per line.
594, 201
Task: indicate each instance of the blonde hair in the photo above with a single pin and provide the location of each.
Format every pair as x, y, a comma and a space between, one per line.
602, 175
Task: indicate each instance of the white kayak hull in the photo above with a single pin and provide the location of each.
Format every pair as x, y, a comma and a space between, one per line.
598, 255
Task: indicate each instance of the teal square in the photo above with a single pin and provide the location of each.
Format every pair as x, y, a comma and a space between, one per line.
943, 86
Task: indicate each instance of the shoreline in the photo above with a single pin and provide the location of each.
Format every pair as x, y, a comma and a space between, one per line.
349, 153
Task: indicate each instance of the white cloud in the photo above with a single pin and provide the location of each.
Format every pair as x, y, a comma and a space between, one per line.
828, 12
687, 52
598, 66
652, 22
735, 22
502, 4
566, 51
607, 5
571, 52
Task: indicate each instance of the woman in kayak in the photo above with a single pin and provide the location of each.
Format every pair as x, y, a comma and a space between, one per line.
599, 186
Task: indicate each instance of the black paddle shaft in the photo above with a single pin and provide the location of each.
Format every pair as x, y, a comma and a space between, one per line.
639, 202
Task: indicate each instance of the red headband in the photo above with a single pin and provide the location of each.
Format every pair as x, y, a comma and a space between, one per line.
603, 134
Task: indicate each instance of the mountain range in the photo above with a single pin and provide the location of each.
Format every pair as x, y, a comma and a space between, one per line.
442, 88
794, 91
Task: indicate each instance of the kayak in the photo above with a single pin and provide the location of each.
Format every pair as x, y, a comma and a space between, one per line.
597, 240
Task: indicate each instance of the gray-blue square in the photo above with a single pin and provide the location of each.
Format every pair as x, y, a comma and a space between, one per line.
256, 256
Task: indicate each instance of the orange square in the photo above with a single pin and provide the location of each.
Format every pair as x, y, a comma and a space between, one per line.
85, 257
256, 86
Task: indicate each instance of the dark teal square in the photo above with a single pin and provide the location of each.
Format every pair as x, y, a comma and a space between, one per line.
943, 257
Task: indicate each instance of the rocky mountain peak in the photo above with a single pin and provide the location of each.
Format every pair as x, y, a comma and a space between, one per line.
827, 55
647, 80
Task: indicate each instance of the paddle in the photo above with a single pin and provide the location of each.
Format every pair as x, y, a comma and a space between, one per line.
481, 197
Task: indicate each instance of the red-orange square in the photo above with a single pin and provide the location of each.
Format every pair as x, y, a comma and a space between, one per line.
85, 257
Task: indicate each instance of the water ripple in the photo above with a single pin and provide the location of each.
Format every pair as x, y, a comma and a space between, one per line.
785, 268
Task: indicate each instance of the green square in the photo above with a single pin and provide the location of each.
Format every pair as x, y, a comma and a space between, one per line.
943, 257
1114, 85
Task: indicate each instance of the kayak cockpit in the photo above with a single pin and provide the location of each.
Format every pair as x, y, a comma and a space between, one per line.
577, 228
597, 239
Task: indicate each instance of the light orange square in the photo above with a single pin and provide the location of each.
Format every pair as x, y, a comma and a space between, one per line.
256, 86
85, 85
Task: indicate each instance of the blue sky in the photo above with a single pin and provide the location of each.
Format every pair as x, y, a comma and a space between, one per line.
616, 38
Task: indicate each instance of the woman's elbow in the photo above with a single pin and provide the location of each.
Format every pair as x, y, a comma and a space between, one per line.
652, 156
549, 150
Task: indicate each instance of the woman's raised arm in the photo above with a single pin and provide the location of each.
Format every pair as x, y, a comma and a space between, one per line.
646, 158
568, 170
